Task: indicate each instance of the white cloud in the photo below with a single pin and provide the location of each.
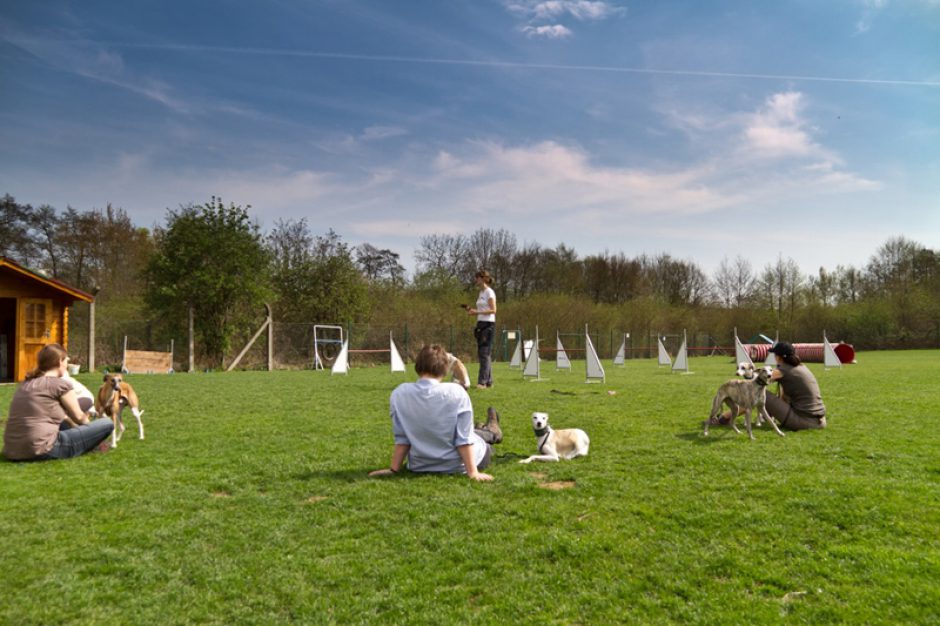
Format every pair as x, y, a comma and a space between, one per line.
549, 178
555, 31
579, 9
779, 131
543, 16
756, 158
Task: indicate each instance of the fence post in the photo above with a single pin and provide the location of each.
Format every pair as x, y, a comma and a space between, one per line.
192, 343
91, 336
270, 337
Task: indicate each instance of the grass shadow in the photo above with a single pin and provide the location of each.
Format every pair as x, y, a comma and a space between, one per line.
715, 434
509, 457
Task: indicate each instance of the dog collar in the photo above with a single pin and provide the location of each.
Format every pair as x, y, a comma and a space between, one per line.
543, 434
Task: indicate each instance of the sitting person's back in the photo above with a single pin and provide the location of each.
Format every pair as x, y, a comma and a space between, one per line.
434, 417
432, 424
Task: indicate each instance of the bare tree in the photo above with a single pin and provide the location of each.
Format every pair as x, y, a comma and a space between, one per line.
676, 282
492, 250
734, 282
848, 284
45, 222
892, 267
441, 254
780, 286
822, 287
16, 240
379, 265
525, 270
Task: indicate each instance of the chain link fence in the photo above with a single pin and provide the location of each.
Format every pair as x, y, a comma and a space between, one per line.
294, 346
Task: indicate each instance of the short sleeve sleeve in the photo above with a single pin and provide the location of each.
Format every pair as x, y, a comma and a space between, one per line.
61, 387
464, 431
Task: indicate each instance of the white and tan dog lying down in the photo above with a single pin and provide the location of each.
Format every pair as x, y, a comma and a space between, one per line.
554, 445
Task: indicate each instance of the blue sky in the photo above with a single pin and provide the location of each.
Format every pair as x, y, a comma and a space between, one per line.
705, 129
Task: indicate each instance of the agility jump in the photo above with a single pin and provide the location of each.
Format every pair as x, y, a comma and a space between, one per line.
341, 364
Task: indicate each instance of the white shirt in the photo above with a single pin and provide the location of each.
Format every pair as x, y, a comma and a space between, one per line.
483, 302
434, 418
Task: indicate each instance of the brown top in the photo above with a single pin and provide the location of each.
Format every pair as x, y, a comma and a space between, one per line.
802, 389
34, 418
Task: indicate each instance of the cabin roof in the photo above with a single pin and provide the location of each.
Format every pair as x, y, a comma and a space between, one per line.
58, 285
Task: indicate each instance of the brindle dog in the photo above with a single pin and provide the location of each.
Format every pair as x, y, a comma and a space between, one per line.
743, 396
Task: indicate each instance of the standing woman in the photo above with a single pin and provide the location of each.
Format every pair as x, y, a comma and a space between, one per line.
45, 420
485, 329
801, 406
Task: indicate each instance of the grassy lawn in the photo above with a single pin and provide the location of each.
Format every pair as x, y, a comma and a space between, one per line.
249, 502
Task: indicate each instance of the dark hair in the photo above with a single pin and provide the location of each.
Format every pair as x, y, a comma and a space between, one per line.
787, 352
47, 359
487, 279
431, 360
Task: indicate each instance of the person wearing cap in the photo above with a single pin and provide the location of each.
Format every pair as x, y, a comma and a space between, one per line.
800, 405
485, 330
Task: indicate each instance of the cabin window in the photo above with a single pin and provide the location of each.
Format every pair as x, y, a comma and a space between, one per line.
34, 321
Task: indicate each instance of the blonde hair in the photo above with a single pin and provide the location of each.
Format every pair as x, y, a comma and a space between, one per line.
47, 359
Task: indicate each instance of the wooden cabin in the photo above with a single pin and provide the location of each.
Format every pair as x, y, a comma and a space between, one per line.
34, 311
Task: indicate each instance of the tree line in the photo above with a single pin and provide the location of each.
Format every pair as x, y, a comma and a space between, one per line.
215, 260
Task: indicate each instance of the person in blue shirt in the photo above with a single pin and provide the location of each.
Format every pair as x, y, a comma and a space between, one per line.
432, 424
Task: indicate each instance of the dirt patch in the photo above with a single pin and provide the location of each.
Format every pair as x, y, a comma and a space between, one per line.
315, 499
539, 475
221, 494
558, 485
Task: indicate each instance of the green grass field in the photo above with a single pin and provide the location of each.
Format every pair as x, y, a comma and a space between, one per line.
249, 503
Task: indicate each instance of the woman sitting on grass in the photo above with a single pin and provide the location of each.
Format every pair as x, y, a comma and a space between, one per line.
45, 420
801, 406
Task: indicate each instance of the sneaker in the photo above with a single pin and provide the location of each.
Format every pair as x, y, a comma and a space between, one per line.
492, 424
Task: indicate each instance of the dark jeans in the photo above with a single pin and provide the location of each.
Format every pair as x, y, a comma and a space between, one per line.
485, 332
790, 418
80, 439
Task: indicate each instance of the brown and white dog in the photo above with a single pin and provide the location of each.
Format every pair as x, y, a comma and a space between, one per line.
113, 396
555, 445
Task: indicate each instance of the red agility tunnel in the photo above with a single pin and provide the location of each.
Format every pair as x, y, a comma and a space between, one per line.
808, 352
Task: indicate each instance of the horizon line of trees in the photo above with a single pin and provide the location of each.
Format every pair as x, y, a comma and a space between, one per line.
216, 259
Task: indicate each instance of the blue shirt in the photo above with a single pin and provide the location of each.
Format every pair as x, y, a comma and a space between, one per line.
434, 418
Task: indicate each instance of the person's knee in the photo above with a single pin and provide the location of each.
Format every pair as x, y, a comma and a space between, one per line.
104, 424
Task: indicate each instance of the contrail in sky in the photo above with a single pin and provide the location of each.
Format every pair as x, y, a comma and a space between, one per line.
384, 58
